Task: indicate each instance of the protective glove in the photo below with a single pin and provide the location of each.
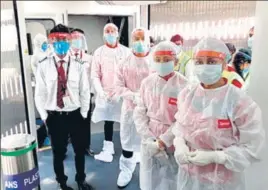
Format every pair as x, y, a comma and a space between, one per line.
181, 151
152, 147
202, 158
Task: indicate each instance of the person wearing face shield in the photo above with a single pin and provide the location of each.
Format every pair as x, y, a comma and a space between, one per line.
130, 74
250, 37
107, 104
62, 97
218, 129
185, 66
40, 51
154, 117
78, 50
241, 62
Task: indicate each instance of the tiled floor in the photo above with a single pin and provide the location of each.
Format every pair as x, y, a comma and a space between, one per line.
102, 176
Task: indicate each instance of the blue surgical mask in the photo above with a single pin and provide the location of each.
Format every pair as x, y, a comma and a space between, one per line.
164, 69
245, 72
61, 47
44, 46
110, 39
250, 42
139, 47
77, 44
208, 74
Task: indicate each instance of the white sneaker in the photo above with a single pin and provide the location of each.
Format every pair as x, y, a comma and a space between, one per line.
127, 167
104, 156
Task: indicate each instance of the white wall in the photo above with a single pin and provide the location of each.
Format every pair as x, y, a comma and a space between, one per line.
257, 175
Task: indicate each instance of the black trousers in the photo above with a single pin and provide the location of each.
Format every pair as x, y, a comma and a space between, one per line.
60, 126
108, 130
88, 123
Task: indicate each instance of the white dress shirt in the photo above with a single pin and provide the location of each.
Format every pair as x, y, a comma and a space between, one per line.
78, 89
87, 60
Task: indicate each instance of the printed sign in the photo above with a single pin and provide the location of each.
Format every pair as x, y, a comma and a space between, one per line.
172, 101
23, 181
224, 124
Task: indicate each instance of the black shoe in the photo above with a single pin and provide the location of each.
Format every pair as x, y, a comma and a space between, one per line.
64, 187
90, 152
84, 186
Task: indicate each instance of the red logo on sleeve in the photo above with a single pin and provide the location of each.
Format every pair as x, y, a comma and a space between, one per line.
224, 124
172, 101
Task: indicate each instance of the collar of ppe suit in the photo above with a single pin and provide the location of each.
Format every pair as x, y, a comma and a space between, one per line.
225, 82
141, 55
110, 46
166, 78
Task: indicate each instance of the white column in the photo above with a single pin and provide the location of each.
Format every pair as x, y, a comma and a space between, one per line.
144, 16
256, 178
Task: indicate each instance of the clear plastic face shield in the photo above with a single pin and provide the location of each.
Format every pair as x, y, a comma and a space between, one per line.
78, 41
165, 58
140, 41
110, 34
210, 58
60, 42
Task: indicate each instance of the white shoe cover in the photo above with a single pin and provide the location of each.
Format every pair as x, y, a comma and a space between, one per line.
106, 155
108, 146
127, 167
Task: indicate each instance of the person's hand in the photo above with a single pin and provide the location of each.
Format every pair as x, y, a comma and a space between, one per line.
181, 151
202, 158
161, 144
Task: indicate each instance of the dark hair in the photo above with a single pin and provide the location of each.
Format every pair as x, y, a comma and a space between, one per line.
176, 37
239, 59
231, 47
60, 28
77, 30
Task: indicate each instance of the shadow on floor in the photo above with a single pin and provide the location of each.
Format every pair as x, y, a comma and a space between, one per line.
103, 176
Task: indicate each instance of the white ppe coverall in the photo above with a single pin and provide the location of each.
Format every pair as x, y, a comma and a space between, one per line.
103, 74
223, 120
38, 53
130, 74
154, 116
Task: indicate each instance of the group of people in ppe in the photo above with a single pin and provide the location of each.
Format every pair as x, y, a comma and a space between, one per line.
190, 136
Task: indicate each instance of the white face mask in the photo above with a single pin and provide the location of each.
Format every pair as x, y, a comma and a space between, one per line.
208, 74
164, 69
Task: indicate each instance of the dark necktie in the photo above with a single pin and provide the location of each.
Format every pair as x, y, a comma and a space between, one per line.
61, 85
76, 55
